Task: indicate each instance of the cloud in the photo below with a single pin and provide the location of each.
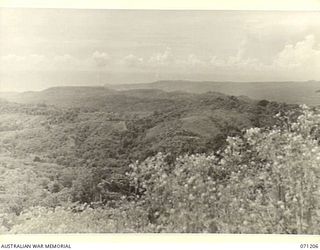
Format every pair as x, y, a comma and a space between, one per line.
22, 62
101, 59
236, 62
193, 61
162, 58
297, 61
132, 61
38, 62
305, 53
66, 58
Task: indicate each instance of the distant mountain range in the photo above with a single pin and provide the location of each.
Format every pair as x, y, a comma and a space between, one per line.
290, 92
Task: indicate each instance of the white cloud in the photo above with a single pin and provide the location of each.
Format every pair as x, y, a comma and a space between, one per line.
101, 59
63, 58
194, 61
304, 54
298, 61
132, 61
236, 62
22, 62
65, 62
162, 58
36, 62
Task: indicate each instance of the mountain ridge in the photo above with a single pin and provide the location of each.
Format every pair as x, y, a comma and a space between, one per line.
295, 92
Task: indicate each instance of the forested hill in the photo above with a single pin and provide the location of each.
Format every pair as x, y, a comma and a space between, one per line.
104, 130
129, 124
290, 92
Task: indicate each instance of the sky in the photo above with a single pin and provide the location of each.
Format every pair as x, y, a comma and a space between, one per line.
41, 48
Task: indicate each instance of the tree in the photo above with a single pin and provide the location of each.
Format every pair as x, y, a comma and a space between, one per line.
265, 181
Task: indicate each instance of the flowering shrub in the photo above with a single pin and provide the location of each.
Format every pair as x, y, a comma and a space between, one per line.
266, 181
64, 220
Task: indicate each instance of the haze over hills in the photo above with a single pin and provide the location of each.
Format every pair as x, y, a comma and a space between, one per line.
290, 92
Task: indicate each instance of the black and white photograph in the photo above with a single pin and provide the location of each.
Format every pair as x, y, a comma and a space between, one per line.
159, 121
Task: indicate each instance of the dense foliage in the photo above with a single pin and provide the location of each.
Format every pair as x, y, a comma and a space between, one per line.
262, 180
266, 181
94, 135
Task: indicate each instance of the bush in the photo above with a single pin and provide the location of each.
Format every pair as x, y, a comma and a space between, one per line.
64, 220
266, 181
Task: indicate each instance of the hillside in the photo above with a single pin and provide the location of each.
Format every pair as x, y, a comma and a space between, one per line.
130, 121
289, 92
60, 96
105, 128
76, 144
